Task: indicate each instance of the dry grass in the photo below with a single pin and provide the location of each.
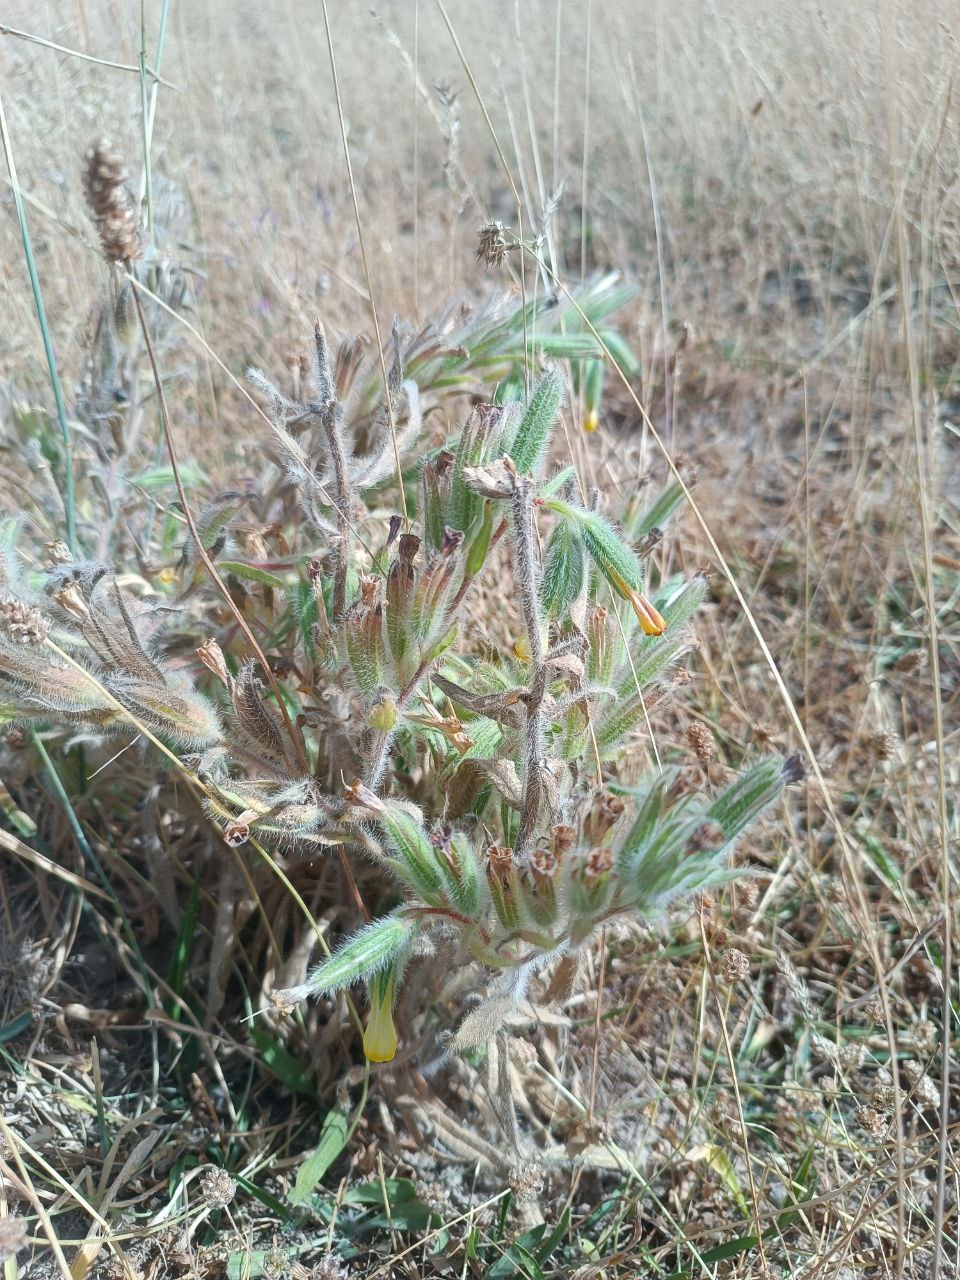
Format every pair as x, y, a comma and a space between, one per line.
794, 171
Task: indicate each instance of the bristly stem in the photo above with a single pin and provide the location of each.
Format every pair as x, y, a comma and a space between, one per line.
528, 580
201, 549
53, 372
332, 420
212, 570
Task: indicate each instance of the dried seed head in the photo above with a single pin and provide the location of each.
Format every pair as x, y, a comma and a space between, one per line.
829, 1091
562, 839
701, 740
873, 1012
924, 1090
235, 834
884, 1095
871, 1121
748, 893
408, 547
369, 587
22, 623
332, 1267
211, 655
734, 966
526, 1181
110, 203
274, 1264
13, 1236
71, 599
544, 863
599, 863
218, 1188
880, 746
495, 480
500, 860
363, 798
492, 244
57, 552
926, 1036
604, 812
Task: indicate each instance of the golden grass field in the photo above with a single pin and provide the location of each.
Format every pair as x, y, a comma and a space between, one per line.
764, 1085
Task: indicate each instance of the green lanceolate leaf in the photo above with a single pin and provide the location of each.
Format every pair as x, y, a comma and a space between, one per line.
656, 516
363, 954
534, 430
564, 569
333, 1138
416, 860
737, 805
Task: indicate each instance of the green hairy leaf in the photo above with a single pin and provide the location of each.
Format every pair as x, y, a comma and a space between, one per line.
539, 418
365, 953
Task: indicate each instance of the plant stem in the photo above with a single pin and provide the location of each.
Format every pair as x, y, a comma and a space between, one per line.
201, 549
528, 581
332, 421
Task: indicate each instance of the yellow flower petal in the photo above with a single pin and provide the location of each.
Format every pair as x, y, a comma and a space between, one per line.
380, 1037
651, 622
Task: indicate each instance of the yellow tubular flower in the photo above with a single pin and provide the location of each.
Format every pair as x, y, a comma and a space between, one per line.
591, 420
651, 622
380, 1037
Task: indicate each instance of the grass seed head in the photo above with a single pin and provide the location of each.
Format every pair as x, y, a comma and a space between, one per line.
105, 180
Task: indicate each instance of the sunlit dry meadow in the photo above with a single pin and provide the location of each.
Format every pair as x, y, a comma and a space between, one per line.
761, 1082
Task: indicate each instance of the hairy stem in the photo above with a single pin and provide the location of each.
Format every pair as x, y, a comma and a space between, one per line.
332, 421
528, 580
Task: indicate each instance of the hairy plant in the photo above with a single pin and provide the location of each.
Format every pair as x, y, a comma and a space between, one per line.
479, 774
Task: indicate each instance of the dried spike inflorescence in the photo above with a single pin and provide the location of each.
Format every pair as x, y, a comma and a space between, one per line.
105, 179
22, 623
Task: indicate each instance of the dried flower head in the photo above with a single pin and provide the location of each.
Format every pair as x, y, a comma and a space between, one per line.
330, 1267
274, 1264
871, 1121
13, 1236
562, 839
22, 623
734, 966
218, 1187
500, 860
873, 1012
544, 863
492, 244
603, 815
926, 1036
110, 203
599, 862
748, 892
57, 552
701, 740
880, 746
925, 1092
526, 1181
